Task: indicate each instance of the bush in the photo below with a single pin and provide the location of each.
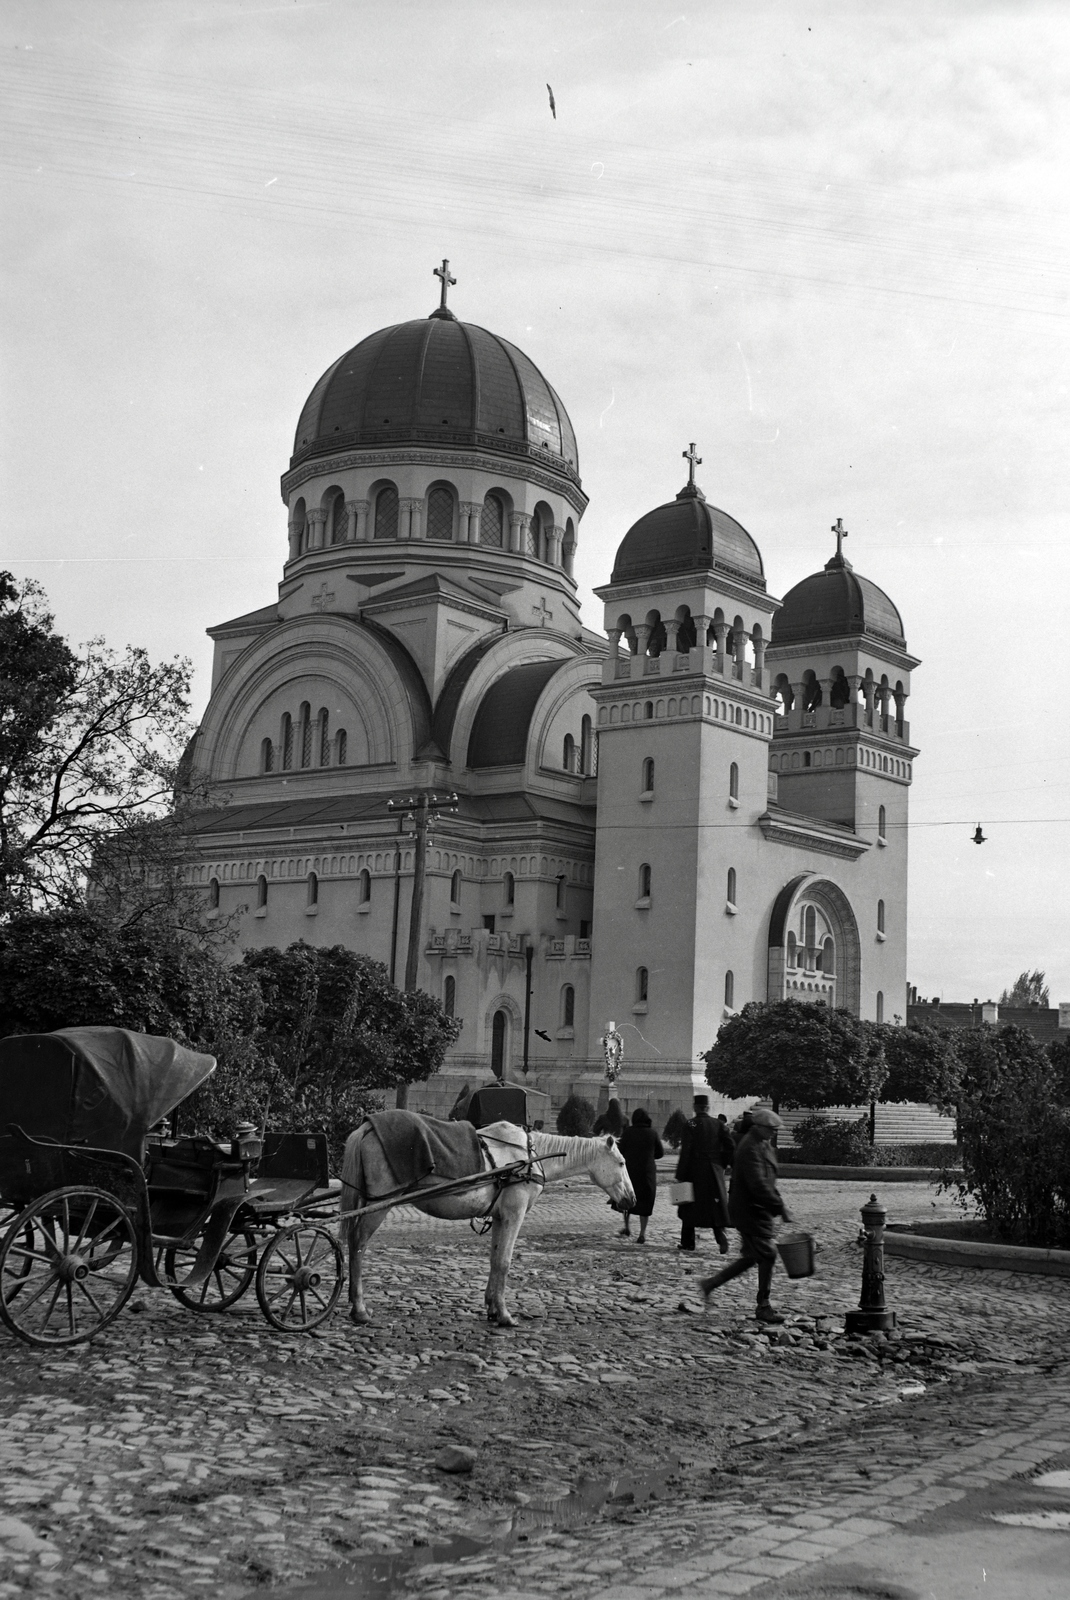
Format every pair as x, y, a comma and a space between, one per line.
834, 1143
1015, 1129
576, 1117
675, 1129
917, 1155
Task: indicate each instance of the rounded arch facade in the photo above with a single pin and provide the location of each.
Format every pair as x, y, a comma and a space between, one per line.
808, 914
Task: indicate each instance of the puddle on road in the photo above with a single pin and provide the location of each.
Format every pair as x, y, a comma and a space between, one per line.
1058, 1521
379, 1577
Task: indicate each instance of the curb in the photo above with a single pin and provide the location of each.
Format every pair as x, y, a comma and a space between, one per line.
871, 1175
965, 1253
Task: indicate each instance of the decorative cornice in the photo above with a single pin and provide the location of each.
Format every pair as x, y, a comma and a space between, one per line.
383, 456
717, 576
804, 833
378, 608
804, 650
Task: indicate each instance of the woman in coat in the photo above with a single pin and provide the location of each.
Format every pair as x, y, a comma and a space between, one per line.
641, 1149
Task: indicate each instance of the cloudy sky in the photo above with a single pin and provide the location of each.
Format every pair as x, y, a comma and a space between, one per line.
828, 243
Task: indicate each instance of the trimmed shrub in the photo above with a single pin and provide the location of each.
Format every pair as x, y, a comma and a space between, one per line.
576, 1117
675, 1129
834, 1143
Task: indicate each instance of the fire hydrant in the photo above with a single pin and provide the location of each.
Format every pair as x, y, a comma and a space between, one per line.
872, 1316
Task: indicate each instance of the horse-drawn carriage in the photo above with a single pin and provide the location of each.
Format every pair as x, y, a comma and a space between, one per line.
97, 1197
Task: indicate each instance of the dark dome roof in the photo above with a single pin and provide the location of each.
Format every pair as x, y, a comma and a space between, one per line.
437, 381
687, 535
836, 604
499, 736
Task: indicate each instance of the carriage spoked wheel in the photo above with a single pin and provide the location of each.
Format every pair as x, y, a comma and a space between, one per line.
300, 1277
234, 1271
68, 1264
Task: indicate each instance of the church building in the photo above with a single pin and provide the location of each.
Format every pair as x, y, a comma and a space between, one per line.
703, 804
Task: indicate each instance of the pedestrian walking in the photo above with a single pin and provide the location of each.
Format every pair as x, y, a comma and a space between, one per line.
754, 1204
705, 1151
641, 1149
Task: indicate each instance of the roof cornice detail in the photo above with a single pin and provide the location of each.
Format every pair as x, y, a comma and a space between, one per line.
523, 465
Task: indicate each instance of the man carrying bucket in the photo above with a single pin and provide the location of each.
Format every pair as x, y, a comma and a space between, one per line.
754, 1203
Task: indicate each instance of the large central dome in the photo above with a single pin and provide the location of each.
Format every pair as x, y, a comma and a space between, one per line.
437, 381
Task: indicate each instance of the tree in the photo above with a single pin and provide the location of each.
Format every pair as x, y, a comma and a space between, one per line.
796, 1055
1029, 990
90, 744
334, 1030
923, 1065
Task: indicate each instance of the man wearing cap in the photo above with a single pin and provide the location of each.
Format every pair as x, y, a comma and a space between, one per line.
705, 1151
753, 1206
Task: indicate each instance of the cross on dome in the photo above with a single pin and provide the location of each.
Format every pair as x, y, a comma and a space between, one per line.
839, 559
691, 490
446, 279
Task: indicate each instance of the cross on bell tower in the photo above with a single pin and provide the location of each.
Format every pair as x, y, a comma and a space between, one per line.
446, 279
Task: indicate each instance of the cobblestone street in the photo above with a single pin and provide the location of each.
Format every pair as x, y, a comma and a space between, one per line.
626, 1443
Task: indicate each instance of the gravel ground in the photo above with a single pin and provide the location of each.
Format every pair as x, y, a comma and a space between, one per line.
181, 1452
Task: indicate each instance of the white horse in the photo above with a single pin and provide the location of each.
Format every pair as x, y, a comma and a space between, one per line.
366, 1176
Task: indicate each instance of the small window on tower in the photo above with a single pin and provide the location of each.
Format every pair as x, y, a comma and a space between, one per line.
449, 996
568, 1006
261, 892
880, 917
455, 891
267, 756
642, 986
644, 881
733, 781
365, 887
492, 522
440, 514
882, 825
509, 888
648, 775
729, 988
313, 885
386, 513
731, 888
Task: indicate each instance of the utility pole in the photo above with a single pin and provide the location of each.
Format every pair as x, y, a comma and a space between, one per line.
421, 810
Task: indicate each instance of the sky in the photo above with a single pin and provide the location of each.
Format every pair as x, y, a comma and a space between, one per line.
828, 243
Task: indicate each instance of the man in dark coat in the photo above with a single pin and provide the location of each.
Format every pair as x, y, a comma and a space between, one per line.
753, 1207
705, 1151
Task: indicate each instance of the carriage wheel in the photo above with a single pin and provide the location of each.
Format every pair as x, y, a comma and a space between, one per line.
231, 1276
68, 1264
300, 1277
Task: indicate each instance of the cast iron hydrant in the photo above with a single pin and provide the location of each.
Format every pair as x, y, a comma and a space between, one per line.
871, 1316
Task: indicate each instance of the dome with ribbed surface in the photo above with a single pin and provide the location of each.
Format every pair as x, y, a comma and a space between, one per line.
836, 604
687, 535
442, 382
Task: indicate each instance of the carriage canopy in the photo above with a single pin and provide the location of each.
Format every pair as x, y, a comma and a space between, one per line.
103, 1087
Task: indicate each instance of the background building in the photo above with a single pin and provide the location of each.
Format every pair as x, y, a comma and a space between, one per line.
709, 809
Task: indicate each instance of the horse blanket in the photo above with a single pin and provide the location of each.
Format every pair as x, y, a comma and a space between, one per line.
418, 1147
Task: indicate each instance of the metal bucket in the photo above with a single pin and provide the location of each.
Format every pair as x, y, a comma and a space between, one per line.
796, 1251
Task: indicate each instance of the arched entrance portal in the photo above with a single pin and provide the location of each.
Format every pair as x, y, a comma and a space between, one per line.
814, 950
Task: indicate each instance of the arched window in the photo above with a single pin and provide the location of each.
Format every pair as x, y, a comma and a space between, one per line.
648, 775
731, 886
340, 743
313, 889
386, 513
880, 1006
261, 892
568, 755
840, 690
587, 747
300, 527
642, 985
533, 539
306, 734
492, 522
733, 781
365, 892
213, 894
440, 514
793, 951
455, 889
644, 881
568, 550
325, 738
449, 996
880, 916
568, 1006
562, 887
339, 519
509, 888
729, 988
267, 756
287, 742
498, 1033
648, 711
828, 958
882, 823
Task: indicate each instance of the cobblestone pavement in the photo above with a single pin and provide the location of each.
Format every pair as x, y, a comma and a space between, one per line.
180, 1453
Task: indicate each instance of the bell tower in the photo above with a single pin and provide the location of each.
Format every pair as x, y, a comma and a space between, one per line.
684, 727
